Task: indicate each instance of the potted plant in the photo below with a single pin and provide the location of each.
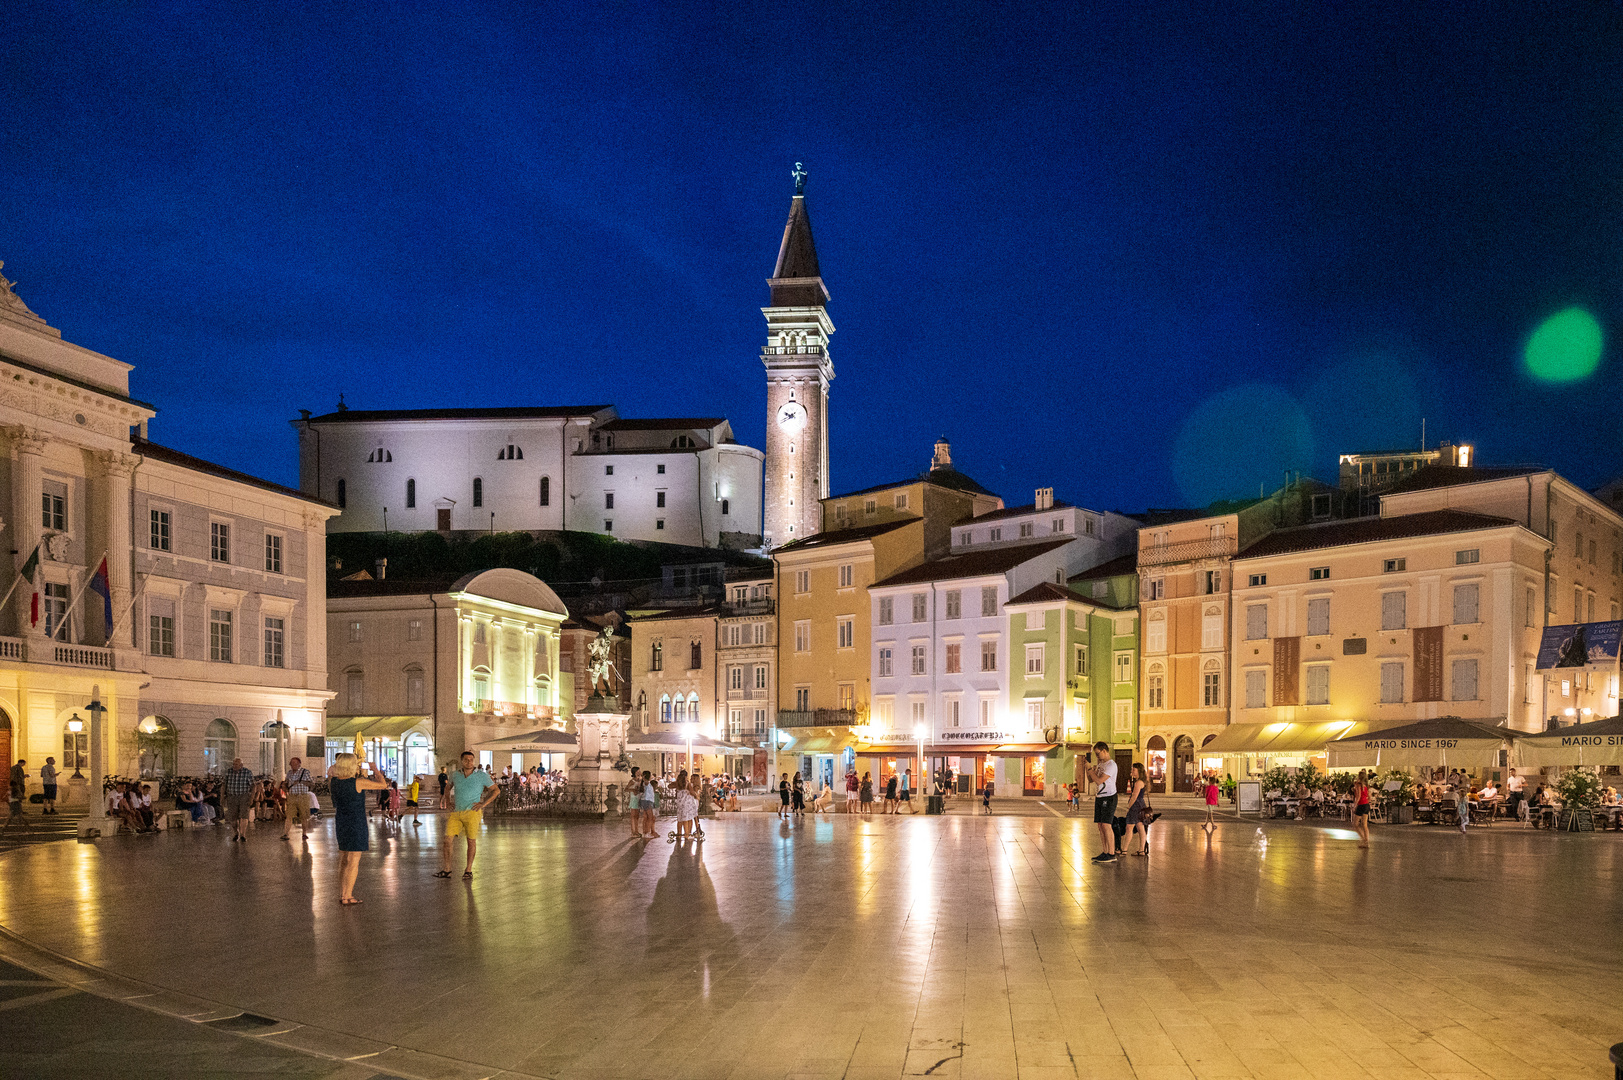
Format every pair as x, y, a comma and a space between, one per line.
1401, 798
1580, 792
1342, 783
1230, 787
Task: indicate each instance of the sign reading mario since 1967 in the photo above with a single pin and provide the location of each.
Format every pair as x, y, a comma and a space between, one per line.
1410, 744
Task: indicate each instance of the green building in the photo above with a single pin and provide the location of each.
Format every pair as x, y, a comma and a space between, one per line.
1073, 664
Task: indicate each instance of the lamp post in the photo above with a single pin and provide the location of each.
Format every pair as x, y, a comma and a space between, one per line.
687, 730
75, 726
920, 730
98, 801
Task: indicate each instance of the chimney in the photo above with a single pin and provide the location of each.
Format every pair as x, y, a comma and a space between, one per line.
383, 567
943, 455
1045, 499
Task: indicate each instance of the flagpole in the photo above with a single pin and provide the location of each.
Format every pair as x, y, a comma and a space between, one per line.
18, 580
90, 572
119, 625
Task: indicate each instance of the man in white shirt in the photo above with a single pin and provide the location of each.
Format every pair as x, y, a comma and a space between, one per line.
1103, 773
1515, 797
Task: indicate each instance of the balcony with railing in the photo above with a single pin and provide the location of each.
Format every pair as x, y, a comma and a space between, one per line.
1212, 547
68, 655
790, 718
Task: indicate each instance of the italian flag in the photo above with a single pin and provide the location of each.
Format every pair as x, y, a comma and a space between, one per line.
30, 568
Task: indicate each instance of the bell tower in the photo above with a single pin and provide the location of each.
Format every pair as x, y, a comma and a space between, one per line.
798, 371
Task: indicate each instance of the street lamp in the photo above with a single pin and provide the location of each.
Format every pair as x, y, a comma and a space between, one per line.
75, 726
688, 730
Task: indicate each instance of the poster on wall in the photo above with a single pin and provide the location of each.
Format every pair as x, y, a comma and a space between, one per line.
1589, 646
1428, 663
758, 769
1287, 670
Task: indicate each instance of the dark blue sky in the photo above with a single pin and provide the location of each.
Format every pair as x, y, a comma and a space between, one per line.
1147, 254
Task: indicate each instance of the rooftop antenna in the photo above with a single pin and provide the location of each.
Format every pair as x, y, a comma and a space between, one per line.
1422, 434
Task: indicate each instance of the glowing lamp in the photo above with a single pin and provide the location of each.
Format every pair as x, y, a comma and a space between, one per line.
76, 725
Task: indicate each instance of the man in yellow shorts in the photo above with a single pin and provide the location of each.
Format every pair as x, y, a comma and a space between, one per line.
472, 790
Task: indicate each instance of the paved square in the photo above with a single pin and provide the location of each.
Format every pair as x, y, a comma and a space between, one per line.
957, 947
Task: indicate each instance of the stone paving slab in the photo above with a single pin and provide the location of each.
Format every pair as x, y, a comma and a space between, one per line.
850, 948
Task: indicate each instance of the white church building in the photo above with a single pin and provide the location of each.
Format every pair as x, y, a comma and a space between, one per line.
682, 480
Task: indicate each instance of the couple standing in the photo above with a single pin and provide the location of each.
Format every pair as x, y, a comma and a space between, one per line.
1102, 771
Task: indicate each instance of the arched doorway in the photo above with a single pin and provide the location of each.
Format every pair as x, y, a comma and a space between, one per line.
1212, 762
272, 738
1183, 764
219, 746
158, 746
1155, 752
419, 753
5, 739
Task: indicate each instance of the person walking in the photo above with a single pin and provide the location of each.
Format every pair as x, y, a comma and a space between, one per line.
986, 795
852, 786
237, 796
687, 808
797, 796
1103, 774
650, 805
904, 793
634, 803
47, 781
297, 785
347, 789
865, 794
1361, 807
18, 788
413, 790
445, 783
1137, 801
1462, 799
891, 803
783, 796
472, 790
1210, 790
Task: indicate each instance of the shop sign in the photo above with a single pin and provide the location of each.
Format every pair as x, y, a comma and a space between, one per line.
1411, 744
978, 736
1592, 740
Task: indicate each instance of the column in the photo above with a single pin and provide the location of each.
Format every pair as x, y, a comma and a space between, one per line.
115, 539
26, 487
314, 609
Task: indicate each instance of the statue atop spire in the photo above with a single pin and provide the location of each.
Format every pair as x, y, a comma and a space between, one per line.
800, 179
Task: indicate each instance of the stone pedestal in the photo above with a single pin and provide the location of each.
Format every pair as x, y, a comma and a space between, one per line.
601, 765
72, 792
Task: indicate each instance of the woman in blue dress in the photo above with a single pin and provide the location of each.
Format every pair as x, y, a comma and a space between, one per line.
349, 817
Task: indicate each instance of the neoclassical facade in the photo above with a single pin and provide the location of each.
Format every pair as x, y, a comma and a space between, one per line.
681, 480
209, 638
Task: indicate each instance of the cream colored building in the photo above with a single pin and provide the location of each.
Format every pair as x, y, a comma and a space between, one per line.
216, 600
424, 670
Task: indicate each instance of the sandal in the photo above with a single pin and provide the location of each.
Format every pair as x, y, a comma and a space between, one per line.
348, 902
467, 875
442, 873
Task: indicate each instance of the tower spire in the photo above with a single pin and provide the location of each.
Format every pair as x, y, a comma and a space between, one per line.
796, 280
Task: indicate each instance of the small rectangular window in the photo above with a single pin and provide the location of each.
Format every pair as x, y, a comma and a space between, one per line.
1155, 589
1391, 683
1468, 556
161, 635
1258, 579
1081, 660
920, 611
608, 470
1256, 622
1394, 611
220, 636
918, 660
414, 630
1124, 667
608, 500
1318, 684
847, 575
479, 629
955, 603
955, 659
1465, 604
1034, 659
1394, 566
803, 636
1256, 689
274, 632
158, 534
887, 610
886, 663
988, 656
219, 541
354, 631
1464, 679
1026, 529
802, 581
1318, 616
988, 601
659, 499
273, 553
54, 507
1318, 573
847, 633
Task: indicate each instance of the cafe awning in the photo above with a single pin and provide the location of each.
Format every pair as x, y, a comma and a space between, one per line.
676, 742
1445, 741
819, 744
544, 741
371, 727
1242, 739
1599, 742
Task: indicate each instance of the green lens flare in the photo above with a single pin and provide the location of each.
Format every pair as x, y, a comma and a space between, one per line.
1565, 347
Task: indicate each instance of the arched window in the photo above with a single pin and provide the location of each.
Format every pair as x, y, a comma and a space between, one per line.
664, 708
219, 746
342, 499
272, 738
682, 442
510, 453
411, 494
481, 686
546, 491
1155, 688
478, 491
157, 744
1211, 685
693, 708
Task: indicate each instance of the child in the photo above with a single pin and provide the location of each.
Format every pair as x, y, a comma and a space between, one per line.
393, 812
1211, 803
412, 791
986, 797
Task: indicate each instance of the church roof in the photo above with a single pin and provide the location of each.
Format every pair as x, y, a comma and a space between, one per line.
678, 423
796, 280
945, 477
518, 412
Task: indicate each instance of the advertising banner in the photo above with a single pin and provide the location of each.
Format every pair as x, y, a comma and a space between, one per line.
1287, 670
1428, 663
1589, 646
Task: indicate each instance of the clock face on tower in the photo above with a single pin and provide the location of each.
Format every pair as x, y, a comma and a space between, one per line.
791, 416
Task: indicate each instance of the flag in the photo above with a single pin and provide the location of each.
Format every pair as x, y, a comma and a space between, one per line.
102, 587
28, 571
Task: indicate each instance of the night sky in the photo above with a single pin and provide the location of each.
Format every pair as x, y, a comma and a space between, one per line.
1147, 254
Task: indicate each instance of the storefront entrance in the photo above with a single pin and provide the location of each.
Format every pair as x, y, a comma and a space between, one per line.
1183, 764
1155, 763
